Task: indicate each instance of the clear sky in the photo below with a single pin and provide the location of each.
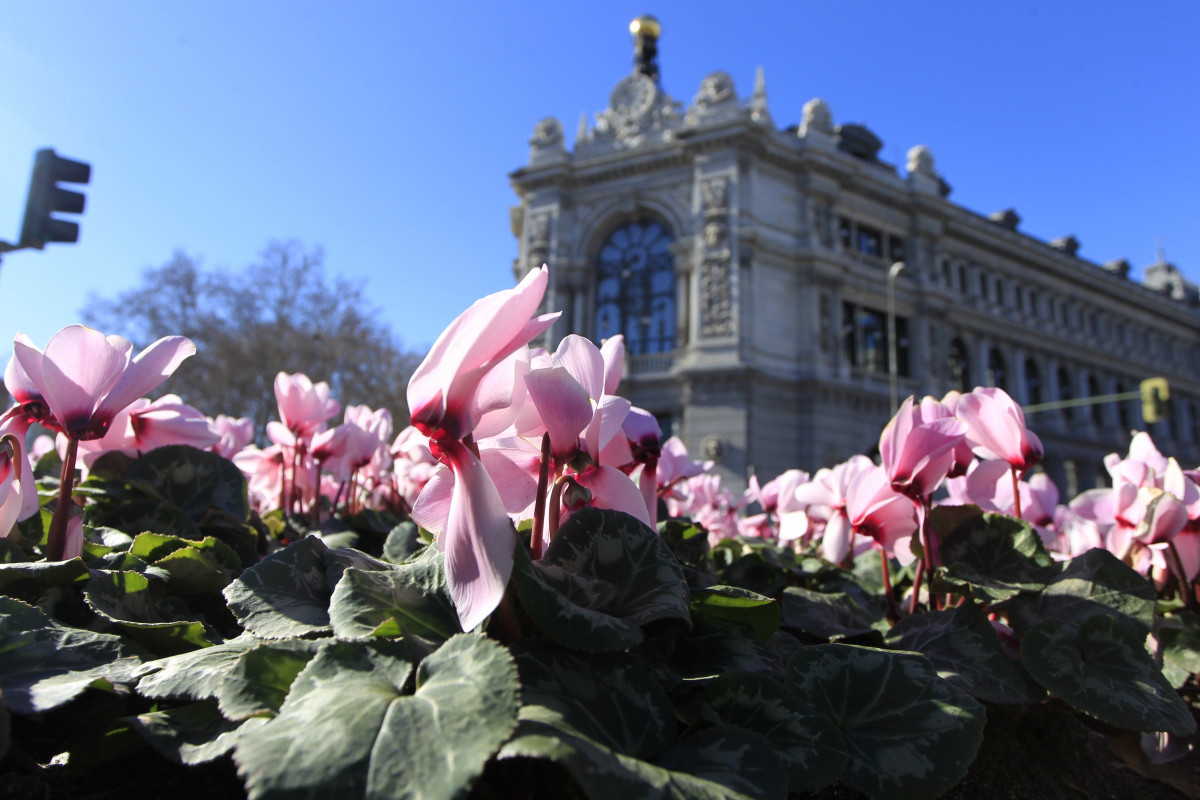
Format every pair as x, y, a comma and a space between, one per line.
384, 131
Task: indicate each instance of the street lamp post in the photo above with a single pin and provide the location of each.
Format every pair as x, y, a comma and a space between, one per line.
893, 368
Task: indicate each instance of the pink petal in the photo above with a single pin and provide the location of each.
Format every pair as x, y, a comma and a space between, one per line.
478, 540
613, 351
78, 367
564, 406
584, 361
148, 369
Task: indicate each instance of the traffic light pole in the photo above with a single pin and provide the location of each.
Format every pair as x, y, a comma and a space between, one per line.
46, 198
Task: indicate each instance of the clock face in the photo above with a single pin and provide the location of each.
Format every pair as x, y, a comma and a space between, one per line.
633, 96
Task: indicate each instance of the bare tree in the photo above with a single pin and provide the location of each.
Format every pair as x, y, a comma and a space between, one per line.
278, 314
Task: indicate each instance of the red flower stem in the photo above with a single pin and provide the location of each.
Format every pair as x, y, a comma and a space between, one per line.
931, 555
912, 609
539, 503
555, 510
57, 539
892, 614
1016, 493
1185, 586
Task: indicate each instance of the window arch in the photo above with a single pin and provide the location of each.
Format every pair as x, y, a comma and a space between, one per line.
635, 287
960, 366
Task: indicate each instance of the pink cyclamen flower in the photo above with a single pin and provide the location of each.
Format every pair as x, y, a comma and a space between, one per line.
233, 434
304, 406
918, 453
85, 377
996, 428
446, 403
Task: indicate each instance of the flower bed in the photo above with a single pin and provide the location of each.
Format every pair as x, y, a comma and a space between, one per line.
529, 594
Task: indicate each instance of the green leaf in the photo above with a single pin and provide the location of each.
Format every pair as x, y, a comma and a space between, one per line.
617, 549
831, 616
734, 764
403, 543
258, 682
160, 623
964, 650
286, 594
1103, 669
714, 647
411, 600
1096, 583
613, 699
909, 733
1179, 643
992, 557
603, 576
362, 736
196, 675
689, 543
738, 605
192, 480
810, 747
16, 576
46, 664
192, 734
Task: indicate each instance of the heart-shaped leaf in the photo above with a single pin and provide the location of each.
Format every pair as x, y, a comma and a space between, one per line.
1096, 583
195, 675
993, 557
909, 733
259, 680
286, 594
738, 605
363, 736
160, 623
1103, 669
46, 664
809, 746
832, 616
410, 600
611, 698
965, 651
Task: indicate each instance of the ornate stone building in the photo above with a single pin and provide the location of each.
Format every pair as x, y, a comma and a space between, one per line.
751, 267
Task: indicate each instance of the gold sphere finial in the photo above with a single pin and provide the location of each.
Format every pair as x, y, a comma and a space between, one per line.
646, 25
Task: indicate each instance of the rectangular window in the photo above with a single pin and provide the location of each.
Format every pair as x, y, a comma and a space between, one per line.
845, 229
870, 241
865, 342
895, 248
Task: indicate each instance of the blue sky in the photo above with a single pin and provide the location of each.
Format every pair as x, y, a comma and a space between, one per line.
384, 131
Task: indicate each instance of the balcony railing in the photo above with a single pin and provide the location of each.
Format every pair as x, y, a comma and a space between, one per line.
649, 363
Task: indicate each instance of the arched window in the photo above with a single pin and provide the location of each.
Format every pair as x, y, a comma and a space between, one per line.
997, 374
960, 366
635, 288
1033, 382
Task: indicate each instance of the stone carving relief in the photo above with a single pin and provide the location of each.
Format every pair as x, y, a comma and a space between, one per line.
547, 140
539, 240
920, 161
638, 111
716, 265
816, 117
716, 89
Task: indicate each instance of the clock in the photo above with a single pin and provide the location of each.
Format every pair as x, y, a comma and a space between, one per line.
633, 96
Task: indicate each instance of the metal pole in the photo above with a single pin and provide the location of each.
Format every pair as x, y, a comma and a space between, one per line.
893, 368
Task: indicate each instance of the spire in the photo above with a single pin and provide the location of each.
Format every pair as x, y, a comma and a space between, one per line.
758, 101
645, 31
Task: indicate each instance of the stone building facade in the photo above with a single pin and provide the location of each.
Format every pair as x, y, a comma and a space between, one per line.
748, 267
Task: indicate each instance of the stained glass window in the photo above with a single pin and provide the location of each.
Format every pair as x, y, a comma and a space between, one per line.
635, 288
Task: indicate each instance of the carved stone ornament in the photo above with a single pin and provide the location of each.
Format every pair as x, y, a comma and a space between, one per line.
920, 162
716, 89
716, 283
547, 133
539, 240
713, 447
817, 117
713, 193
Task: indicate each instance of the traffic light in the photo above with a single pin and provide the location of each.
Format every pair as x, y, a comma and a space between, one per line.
1156, 397
46, 198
